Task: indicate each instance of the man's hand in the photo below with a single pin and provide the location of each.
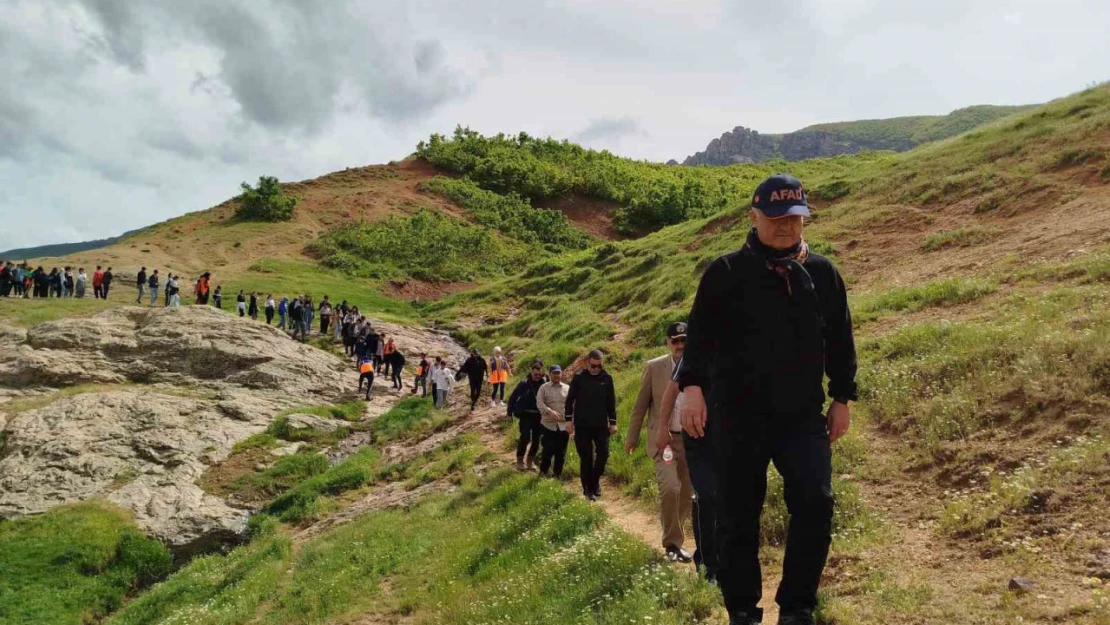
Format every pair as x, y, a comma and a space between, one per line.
629, 447
570, 427
661, 441
693, 412
840, 419
612, 430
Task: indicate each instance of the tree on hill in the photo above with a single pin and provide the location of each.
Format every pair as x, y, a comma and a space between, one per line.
266, 202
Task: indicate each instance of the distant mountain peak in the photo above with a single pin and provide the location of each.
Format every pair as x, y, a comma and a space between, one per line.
745, 145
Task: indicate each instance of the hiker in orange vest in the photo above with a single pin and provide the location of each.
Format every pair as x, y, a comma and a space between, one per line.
498, 375
387, 353
202, 289
422, 371
366, 372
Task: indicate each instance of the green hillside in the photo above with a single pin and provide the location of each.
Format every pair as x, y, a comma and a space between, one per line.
979, 281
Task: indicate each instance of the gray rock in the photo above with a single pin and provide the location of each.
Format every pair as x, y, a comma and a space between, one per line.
301, 421
1021, 585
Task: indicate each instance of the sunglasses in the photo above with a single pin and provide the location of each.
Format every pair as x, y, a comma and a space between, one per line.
593, 366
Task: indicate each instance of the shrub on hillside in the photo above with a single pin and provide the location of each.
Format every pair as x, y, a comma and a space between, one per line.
266, 202
426, 245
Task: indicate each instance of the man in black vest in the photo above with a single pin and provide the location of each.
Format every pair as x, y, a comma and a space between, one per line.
768, 322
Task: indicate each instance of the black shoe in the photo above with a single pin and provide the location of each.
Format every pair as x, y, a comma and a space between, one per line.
678, 554
597, 494
796, 617
743, 618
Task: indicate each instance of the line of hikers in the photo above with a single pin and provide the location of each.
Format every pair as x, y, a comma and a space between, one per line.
19, 280
741, 388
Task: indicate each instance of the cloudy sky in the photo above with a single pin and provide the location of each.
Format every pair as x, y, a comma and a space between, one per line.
115, 114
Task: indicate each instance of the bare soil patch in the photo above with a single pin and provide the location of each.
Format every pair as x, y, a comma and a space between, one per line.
590, 214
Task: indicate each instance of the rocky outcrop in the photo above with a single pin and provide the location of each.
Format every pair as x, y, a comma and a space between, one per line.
740, 145
168, 392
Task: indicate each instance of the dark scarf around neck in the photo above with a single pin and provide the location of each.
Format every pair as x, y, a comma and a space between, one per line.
788, 263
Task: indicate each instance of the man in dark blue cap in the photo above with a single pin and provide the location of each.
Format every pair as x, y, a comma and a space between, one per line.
768, 323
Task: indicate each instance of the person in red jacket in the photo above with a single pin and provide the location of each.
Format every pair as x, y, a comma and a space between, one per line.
98, 283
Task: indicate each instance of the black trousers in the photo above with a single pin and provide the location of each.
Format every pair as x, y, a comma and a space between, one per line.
592, 444
421, 381
554, 449
530, 432
269, 315
325, 321
104, 290
744, 446
475, 392
498, 388
369, 377
397, 379
699, 461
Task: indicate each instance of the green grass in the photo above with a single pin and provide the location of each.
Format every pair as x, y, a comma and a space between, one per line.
560, 560
943, 381
960, 237
454, 457
74, 564
311, 498
946, 292
292, 277
30, 312
412, 418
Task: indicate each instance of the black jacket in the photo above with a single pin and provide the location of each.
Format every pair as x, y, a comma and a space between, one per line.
107, 278
141, 278
397, 359
760, 348
475, 368
522, 401
591, 400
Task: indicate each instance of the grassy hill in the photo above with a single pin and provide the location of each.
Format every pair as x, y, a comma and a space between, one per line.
742, 145
979, 274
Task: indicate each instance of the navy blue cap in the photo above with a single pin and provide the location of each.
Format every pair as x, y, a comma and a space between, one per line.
779, 196
556, 369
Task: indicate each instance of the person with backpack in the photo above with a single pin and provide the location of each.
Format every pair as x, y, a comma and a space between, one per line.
106, 283
397, 360
591, 412
769, 322
499, 375
551, 401
475, 370
152, 283
218, 298
140, 285
522, 405
676, 495
366, 374
421, 379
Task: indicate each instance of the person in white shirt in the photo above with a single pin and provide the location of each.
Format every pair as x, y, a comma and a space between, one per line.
444, 384
551, 400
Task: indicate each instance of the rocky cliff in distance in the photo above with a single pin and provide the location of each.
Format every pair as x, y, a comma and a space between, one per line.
744, 145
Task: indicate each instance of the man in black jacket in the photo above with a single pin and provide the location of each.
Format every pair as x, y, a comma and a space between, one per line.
140, 284
768, 322
591, 419
106, 283
475, 369
522, 405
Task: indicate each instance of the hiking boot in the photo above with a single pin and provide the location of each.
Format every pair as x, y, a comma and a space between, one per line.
678, 554
796, 617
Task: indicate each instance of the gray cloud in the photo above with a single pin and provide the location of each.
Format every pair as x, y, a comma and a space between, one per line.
608, 129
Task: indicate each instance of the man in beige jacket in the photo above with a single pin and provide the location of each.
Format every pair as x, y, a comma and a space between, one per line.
675, 492
551, 400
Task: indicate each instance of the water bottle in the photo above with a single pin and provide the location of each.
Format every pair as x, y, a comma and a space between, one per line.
668, 454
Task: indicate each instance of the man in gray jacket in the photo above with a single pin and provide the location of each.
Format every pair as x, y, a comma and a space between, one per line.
676, 495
